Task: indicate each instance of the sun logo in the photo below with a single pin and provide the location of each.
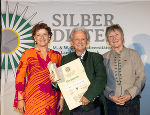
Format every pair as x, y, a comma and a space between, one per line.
16, 38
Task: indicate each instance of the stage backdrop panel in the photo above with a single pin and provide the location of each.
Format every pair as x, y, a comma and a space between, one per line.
19, 16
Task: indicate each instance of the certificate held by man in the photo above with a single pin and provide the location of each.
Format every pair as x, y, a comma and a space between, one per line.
74, 82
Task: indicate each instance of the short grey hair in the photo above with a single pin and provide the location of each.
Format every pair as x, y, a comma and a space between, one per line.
113, 28
82, 29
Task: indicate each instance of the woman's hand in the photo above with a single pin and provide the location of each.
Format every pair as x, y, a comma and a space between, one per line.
21, 106
52, 78
120, 100
21, 103
115, 99
61, 104
124, 98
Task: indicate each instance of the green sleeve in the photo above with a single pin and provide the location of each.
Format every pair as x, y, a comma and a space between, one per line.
97, 85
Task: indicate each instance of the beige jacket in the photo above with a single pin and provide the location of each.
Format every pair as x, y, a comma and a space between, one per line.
125, 73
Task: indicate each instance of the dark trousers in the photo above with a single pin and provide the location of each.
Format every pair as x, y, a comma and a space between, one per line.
132, 107
80, 111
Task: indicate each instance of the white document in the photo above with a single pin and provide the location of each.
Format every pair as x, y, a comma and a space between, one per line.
53, 70
74, 82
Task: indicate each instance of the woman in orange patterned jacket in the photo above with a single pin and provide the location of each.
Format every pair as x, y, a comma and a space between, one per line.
34, 95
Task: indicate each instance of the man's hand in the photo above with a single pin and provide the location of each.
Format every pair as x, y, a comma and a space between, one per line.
84, 100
